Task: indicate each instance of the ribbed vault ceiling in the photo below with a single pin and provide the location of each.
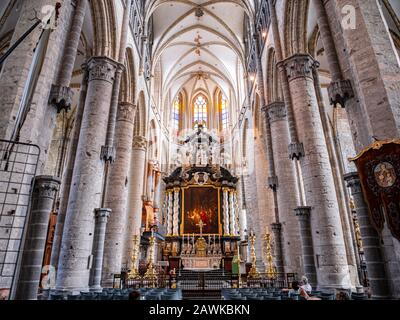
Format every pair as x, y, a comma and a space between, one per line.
198, 44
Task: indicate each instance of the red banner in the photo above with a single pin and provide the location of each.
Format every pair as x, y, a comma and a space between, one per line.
379, 170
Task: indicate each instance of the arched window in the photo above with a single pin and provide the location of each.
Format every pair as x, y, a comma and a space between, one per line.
200, 111
176, 112
224, 112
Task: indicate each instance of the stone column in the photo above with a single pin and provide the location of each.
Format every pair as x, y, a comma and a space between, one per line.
287, 193
276, 229
117, 193
377, 275
61, 93
44, 191
67, 177
295, 147
333, 270
87, 180
340, 90
139, 147
175, 230
303, 214
101, 216
225, 208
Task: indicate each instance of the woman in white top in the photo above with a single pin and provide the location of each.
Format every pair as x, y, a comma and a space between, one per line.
306, 286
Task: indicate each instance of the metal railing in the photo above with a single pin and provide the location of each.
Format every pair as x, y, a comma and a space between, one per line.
18, 164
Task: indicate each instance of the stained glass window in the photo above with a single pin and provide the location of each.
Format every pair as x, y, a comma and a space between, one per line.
200, 111
176, 112
224, 113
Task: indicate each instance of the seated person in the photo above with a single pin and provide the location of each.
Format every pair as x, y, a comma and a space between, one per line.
305, 285
297, 290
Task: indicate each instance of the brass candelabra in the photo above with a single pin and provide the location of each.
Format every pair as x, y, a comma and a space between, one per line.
269, 263
253, 273
133, 273
151, 273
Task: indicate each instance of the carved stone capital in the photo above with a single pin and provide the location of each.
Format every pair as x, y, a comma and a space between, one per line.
340, 91
276, 111
276, 227
273, 182
300, 66
139, 143
102, 213
296, 150
353, 182
61, 97
46, 186
102, 68
108, 153
303, 212
126, 112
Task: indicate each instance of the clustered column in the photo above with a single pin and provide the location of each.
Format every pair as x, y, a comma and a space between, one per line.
286, 191
372, 250
303, 214
117, 193
332, 266
86, 187
44, 191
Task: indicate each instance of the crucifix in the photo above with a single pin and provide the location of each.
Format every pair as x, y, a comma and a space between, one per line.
201, 224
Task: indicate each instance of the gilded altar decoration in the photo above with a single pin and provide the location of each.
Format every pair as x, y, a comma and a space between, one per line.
379, 169
253, 273
151, 273
269, 262
201, 201
133, 273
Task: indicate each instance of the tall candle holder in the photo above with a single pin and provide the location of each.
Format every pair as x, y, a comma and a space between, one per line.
253, 273
269, 263
151, 273
133, 273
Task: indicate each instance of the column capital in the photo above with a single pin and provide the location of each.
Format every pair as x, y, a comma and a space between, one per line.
296, 150
273, 182
61, 97
46, 186
303, 212
139, 143
353, 182
102, 68
102, 213
300, 66
276, 111
340, 91
108, 153
126, 112
276, 227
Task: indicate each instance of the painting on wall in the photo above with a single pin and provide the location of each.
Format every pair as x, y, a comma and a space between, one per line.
201, 207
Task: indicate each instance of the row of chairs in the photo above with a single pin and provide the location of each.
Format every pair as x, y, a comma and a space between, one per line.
277, 294
257, 294
105, 294
160, 294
